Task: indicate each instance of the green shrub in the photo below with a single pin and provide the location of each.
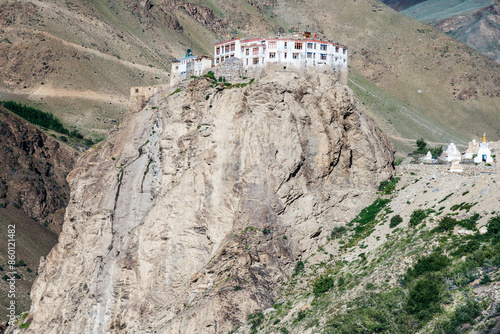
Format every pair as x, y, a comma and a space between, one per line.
210, 75
493, 229
237, 288
424, 297
322, 285
283, 330
388, 186
301, 315
178, 90
255, 320
374, 313
417, 217
464, 314
395, 221
337, 231
467, 248
446, 224
470, 223
427, 264
299, 267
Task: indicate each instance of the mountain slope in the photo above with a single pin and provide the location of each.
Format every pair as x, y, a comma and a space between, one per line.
475, 23
433, 269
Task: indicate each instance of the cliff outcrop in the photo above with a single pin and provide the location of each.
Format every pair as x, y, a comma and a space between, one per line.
195, 211
33, 171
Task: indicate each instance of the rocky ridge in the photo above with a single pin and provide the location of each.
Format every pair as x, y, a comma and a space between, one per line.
193, 214
33, 171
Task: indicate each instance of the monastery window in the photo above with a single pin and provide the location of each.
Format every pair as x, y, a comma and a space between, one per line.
337, 49
255, 51
272, 55
227, 48
222, 59
218, 50
137, 90
324, 47
232, 55
309, 45
284, 55
336, 58
232, 47
247, 61
343, 51
255, 61
285, 44
298, 46
272, 45
323, 56
242, 48
295, 56
310, 55
177, 67
247, 52
217, 60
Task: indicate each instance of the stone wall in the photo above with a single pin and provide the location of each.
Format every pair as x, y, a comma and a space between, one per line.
231, 69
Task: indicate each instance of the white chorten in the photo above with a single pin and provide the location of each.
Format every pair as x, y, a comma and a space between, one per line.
452, 153
484, 153
428, 157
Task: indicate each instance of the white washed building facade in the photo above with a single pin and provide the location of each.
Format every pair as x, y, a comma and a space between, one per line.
289, 51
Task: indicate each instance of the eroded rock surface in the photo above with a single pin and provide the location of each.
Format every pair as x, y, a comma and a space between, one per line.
193, 214
33, 169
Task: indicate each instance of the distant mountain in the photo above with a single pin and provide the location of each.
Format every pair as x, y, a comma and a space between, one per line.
472, 22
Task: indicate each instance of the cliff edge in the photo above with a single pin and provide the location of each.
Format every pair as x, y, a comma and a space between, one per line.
194, 212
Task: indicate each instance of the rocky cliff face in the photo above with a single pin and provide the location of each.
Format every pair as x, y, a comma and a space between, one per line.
33, 171
193, 214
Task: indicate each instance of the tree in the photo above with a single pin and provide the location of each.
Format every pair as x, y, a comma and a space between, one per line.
421, 146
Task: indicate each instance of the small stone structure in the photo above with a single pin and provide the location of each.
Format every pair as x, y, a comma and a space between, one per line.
139, 96
452, 153
428, 158
231, 70
471, 150
484, 152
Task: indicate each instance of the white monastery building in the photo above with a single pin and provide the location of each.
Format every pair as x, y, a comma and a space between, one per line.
189, 66
288, 50
237, 57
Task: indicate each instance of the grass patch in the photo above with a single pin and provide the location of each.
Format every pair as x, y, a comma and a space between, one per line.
387, 187
366, 220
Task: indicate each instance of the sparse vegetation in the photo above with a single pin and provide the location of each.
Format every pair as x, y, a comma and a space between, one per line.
322, 285
387, 187
417, 217
395, 221
422, 148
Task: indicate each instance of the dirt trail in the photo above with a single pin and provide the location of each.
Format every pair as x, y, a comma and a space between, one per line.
90, 51
60, 92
